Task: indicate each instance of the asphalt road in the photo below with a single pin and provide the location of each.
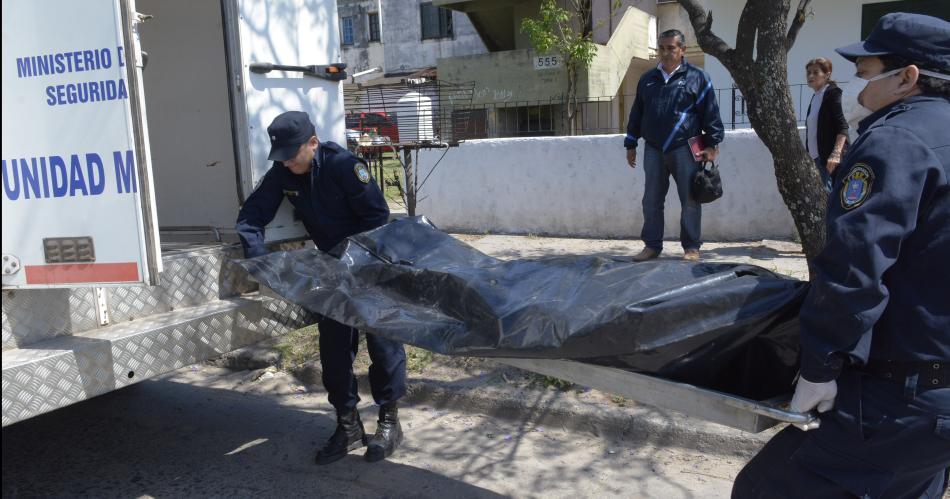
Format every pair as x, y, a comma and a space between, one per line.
209, 432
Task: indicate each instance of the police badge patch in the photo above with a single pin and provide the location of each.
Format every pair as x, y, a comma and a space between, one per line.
856, 186
362, 174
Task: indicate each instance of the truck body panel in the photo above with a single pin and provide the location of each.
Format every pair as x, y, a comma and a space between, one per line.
199, 151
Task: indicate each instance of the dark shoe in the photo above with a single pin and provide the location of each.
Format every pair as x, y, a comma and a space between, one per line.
388, 434
349, 435
646, 254
691, 255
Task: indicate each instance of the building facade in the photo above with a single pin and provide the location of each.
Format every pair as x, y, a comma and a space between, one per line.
517, 92
834, 24
525, 95
402, 36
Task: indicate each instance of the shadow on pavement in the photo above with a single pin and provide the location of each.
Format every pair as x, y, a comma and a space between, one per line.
165, 439
759, 252
173, 438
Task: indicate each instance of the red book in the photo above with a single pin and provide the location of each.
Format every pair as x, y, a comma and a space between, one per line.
696, 145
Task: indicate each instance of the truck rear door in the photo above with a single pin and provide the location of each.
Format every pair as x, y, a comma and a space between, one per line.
78, 206
285, 32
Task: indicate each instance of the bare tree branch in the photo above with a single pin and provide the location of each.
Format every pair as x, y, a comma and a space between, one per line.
800, 14
702, 26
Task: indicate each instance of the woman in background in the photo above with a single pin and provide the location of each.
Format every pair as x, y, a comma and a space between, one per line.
826, 130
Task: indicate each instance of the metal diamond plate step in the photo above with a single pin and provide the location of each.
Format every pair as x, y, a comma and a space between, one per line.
39, 314
194, 274
64, 370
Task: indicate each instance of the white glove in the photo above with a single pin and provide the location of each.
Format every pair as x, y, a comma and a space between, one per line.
809, 395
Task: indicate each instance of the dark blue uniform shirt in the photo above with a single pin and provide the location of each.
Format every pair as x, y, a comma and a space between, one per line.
334, 200
666, 114
882, 287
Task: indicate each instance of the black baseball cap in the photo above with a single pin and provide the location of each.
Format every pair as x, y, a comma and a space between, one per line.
287, 132
916, 37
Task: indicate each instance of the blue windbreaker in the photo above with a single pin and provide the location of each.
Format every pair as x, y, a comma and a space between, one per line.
666, 114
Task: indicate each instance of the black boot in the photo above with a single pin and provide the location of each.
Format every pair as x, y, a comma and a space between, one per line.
388, 434
349, 435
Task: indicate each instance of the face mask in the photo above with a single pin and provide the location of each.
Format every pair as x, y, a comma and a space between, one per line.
853, 110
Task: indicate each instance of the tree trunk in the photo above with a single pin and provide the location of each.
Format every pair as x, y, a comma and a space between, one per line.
763, 29
571, 98
772, 116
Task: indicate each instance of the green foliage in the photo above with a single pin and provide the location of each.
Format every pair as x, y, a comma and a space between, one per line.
549, 381
562, 30
417, 359
299, 346
566, 31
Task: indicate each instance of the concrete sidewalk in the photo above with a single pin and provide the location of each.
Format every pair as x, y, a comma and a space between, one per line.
783, 257
486, 387
780, 256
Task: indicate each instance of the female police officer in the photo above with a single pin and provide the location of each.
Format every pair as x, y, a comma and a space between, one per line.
335, 197
875, 327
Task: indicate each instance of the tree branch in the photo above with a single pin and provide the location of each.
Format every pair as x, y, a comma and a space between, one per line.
745, 33
702, 26
800, 14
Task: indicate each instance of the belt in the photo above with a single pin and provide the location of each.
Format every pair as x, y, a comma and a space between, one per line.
930, 373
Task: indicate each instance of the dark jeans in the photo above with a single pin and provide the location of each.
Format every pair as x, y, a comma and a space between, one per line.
881, 441
825, 176
387, 373
657, 168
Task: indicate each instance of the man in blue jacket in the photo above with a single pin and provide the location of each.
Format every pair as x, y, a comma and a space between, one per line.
335, 197
875, 326
674, 102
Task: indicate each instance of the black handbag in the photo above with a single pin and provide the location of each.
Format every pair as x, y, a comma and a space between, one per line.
706, 186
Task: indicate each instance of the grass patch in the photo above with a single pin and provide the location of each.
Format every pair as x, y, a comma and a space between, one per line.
619, 400
302, 345
418, 359
392, 176
550, 382
299, 346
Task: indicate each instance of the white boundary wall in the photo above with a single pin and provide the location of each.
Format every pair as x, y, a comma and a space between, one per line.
582, 186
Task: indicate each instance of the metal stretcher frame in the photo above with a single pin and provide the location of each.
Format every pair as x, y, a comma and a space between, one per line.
710, 405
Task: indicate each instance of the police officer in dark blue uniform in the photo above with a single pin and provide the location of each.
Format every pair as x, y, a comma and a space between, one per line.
333, 193
875, 327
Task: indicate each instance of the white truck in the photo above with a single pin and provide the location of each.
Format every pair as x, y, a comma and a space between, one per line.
117, 222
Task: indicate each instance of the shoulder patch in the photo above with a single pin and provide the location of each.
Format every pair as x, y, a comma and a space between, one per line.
856, 187
362, 174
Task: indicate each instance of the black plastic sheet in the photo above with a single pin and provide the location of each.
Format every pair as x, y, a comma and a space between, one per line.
724, 326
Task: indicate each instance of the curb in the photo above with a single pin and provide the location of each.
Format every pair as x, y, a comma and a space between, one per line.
637, 423
591, 412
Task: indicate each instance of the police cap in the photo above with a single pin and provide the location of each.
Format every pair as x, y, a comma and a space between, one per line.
287, 132
915, 37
